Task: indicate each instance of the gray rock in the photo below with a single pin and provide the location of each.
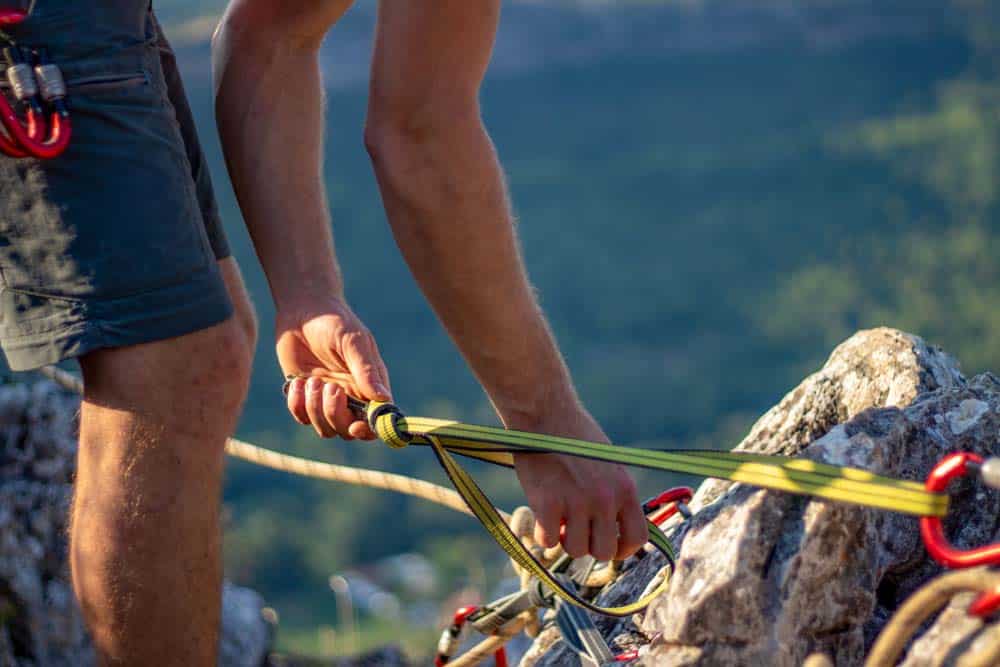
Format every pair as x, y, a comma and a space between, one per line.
40, 623
768, 578
246, 635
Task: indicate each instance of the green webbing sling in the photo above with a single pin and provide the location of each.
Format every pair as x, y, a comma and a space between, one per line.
496, 445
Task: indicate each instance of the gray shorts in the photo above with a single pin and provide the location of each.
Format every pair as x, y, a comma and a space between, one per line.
116, 241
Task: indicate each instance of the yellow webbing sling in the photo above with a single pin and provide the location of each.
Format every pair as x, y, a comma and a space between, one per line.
495, 445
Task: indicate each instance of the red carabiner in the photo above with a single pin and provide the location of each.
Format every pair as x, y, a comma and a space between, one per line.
12, 16
660, 508
24, 139
27, 140
450, 638
937, 544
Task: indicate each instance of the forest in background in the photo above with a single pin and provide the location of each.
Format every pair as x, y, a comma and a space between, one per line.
702, 225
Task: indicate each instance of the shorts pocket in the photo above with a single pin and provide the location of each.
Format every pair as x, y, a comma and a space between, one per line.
108, 83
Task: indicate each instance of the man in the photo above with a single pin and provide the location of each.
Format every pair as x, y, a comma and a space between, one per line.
113, 254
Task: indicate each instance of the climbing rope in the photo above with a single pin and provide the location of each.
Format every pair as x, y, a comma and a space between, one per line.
545, 570
294, 465
922, 605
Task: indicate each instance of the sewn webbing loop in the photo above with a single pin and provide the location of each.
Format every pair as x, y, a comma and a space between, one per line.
497, 445
384, 419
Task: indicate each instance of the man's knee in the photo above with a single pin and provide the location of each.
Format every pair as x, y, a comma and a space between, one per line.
196, 381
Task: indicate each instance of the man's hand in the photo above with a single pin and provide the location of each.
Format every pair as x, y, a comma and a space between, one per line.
330, 346
590, 507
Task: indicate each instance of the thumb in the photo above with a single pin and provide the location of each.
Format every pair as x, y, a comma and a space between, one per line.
366, 367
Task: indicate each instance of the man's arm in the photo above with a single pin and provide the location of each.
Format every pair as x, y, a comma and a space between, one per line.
268, 100
446, 201
447, 204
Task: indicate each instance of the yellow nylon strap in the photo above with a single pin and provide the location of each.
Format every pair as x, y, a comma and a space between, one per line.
495, 445
486, 512
794, 475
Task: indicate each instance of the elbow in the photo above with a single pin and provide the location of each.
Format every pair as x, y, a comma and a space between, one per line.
415, 143
255, 35
270, 24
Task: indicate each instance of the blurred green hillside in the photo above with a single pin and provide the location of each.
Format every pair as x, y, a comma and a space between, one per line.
702, 228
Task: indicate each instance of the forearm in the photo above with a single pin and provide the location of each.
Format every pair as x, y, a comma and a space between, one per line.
448, 208
268, 101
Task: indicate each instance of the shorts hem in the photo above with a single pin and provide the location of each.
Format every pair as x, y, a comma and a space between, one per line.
70, 327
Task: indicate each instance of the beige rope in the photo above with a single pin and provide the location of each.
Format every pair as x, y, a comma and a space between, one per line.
375, 479
988, 656
267, 458
921, 605
486, 648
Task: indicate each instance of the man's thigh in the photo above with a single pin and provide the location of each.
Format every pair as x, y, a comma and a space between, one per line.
203, 372
116, 242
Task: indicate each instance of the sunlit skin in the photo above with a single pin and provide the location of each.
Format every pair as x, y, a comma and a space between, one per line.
145, 546
145, 541
446, 202
144, 530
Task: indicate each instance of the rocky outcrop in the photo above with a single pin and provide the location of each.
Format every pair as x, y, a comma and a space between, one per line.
769, 578
39, 620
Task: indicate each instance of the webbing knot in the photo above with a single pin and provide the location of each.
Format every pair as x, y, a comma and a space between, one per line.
384, 420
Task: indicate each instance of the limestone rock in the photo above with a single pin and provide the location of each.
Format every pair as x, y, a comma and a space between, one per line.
766, 577
40, 622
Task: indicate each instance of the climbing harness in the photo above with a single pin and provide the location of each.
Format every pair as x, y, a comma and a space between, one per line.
551, 580
37, 85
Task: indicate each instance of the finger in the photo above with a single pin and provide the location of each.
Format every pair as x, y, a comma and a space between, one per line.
335, 410
576, 535
548, 518
314, 408
361, 430
383, 372
604, 536
296, 400
632, 531
364, 362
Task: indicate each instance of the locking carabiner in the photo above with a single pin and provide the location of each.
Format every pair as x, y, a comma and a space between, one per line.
932, 531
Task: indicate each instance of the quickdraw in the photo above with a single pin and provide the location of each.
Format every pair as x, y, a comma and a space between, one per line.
37, 85
534, 608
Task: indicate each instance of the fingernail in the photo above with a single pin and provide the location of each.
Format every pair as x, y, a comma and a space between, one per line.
382, 391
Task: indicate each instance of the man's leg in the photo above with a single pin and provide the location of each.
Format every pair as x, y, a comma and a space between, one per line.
145, 540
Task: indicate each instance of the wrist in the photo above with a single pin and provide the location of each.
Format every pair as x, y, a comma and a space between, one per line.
295, 309
538, 410
306, 295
